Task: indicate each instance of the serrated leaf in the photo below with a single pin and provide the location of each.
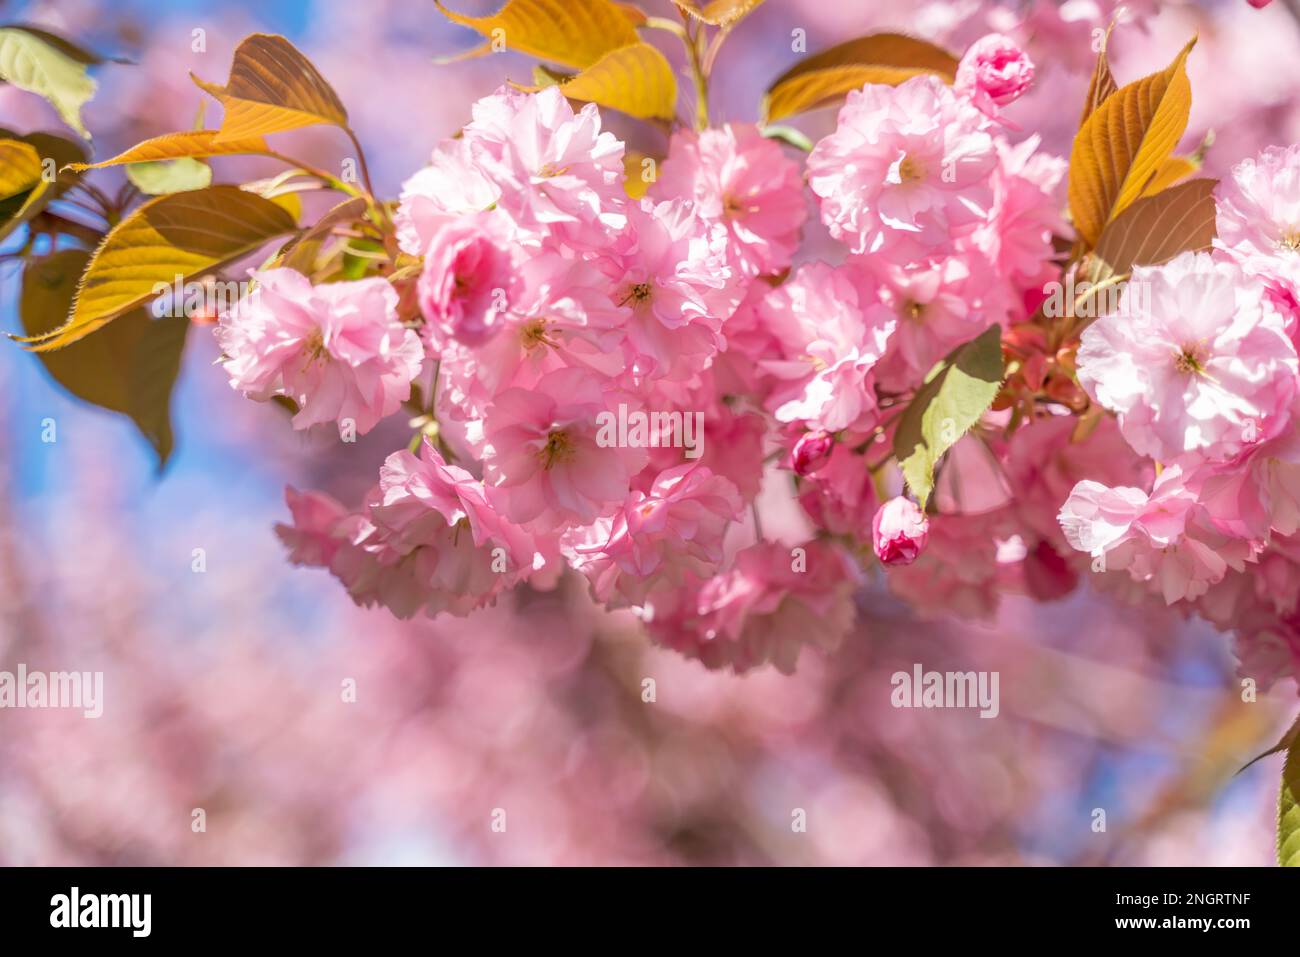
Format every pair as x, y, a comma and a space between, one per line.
1102, 84
169, 176
194, 144
33, 63
822, 79
272, 88
1288, 809
1124, 142
573, 33
128, 368
636, 80
719, 13
1157, 228
184, 234
952, 399
20, 167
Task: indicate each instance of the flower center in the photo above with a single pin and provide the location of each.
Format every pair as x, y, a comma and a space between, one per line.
314, 347
558, 448
637, 293
1191, 359
733, 206
910, 169
534, 334
550, 171
914, 311
1290, 240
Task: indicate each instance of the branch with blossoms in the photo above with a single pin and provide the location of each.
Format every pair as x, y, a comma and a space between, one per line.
1015, 372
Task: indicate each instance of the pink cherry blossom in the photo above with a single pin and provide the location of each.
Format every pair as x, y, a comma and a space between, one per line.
1258, 221
451, 186
336, 349
543, 460
906, 169
468, 279
659, 537
557, 172
1194, 360
833, 331
669, 268
759, 610
743, 180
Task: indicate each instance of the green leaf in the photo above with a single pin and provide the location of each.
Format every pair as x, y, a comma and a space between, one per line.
1288, 809
182, 235
128, 368
955, 394
160, 177
31, 62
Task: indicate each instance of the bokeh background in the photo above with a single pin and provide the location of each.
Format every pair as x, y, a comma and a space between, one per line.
223, 688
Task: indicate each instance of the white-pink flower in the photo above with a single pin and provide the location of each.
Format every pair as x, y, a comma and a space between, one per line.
905, 171
660, 536
1195, 360
1258, 221
833, 331
556, 171
336, 349
451, 186
542, 458
743, 180
670, 269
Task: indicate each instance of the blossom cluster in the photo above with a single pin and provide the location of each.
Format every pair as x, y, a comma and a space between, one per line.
618, 386
1199, 364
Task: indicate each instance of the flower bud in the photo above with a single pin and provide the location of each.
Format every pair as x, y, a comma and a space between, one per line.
994, 69
812, 451
899, 532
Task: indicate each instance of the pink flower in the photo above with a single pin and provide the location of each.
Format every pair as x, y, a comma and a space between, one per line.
556, 171
1258, 221
660, 537
670, 270
320, 526
760, 610
1195, 360
833, 332
741, 179
543, 459
435, 530
1164, 539
336, 349
451, 186
468, 278
905, 171
1017, 238
899, 532
993, 72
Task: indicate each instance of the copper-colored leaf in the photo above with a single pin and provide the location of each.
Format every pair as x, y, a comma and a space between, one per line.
822, 79
573, 33
1157, 228
719, 13
272, 88
194, 144
1102, 84
636, 80
1122, 145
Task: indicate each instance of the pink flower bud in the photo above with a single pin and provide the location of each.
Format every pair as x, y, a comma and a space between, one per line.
899, 532
994, 69
1259, 4
812, 451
